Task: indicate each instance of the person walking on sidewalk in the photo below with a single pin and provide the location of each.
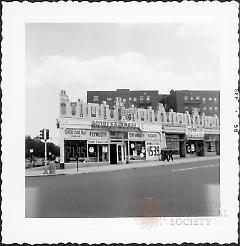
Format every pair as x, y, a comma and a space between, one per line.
170, 155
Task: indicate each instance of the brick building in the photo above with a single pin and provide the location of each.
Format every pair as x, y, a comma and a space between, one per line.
205, 101
140, 99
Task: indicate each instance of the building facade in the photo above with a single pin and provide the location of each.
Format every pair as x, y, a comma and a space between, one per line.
139, 99
118, 134
207, 102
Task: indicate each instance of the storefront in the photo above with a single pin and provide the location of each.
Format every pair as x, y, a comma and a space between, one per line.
175, 142
212, 143
104, 141
144, 145
194, 140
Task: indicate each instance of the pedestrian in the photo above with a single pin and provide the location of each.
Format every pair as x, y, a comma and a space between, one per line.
167, 154
162, 155
170, 155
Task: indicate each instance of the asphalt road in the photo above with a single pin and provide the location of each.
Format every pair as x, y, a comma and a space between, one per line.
191, 189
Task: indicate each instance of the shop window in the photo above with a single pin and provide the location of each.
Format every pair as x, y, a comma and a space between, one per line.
93, 111
92, 152
162, 117
95, 99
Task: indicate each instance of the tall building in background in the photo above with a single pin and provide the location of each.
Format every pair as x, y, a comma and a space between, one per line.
140, 99
205, 101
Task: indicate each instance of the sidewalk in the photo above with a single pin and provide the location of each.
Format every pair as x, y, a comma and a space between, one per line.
106, 167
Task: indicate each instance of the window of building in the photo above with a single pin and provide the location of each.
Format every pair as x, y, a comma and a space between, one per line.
197, 98
204, 108
210, 99
95, 98
186, 108
210, 108
135, 99
204, 99
148, 98
185, 98
191, 98
109, 99
93, 111
216, 109
215, 99
130, 99
141, 98
124, 99
63, 108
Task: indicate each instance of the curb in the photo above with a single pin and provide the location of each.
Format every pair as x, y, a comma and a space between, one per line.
156, 164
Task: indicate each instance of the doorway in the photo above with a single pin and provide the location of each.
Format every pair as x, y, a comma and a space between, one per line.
113, 154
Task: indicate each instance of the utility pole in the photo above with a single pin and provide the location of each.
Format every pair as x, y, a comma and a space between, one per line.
45, 140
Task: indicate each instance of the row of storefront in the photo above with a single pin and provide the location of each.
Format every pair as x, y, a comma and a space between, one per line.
120, 146
110, 145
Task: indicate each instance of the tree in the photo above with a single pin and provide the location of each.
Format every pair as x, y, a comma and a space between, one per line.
38, 147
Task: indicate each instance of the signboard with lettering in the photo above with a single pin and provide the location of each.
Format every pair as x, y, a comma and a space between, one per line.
153, 150
113, 124
116, 135
143, 136
98, 141
193, 132
75, 133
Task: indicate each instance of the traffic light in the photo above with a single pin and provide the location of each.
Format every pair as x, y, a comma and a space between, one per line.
42, 134
47, 134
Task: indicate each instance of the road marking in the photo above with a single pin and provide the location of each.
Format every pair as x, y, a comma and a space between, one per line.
190, 168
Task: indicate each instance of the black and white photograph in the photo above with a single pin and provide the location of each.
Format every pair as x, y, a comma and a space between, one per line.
125, 120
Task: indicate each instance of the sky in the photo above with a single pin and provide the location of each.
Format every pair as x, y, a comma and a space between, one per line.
78, 57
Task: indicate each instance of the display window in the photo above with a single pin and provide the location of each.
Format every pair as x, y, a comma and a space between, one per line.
137, 150
74, 148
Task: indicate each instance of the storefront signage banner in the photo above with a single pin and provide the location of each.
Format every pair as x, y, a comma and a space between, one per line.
143, 136
75, 133
113, 124
98, 141
85, 134
194, 132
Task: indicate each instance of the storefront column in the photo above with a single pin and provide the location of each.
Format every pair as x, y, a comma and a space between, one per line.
62, 155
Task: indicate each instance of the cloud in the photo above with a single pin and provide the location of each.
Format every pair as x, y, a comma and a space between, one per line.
129, 70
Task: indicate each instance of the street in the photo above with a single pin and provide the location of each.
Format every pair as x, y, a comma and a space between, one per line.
188, 189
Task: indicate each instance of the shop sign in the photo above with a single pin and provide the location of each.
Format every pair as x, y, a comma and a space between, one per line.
172, 137
193, 132
116, 135
98, 141
98, 135
113, 124
143, 135
75, 133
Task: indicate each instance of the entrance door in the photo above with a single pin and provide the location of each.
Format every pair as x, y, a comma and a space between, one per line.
100, 153
119, 151
113, 154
